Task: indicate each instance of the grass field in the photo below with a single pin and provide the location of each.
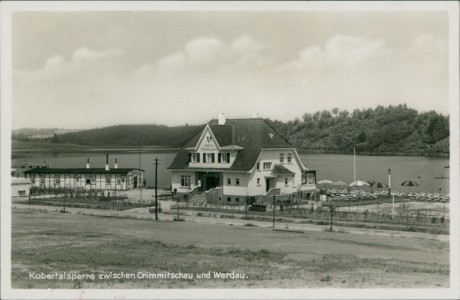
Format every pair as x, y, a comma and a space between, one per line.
48, 242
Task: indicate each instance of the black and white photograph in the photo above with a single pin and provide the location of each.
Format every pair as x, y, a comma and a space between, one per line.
230, 150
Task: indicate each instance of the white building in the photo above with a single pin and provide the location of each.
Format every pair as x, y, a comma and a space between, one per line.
233, 159
20, 187
108, 179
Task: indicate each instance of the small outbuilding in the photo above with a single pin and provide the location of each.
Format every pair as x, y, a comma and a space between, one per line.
20, 187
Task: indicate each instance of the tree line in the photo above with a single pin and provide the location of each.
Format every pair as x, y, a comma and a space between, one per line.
392, 130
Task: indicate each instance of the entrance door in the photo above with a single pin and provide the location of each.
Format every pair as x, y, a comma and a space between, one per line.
267, 184
209, 180
135, 181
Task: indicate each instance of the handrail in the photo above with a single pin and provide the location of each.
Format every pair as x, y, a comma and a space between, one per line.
269, 193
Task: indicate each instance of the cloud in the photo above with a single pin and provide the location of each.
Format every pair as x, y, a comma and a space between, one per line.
351, 50
340, 50
203, 50
83, 54
246, 44
213, 54
172, 62
425, 44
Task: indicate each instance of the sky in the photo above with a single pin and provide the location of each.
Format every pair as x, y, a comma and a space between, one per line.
80, 70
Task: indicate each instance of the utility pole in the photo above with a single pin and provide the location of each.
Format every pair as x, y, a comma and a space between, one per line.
156, 187
331, 208
140, 182
274, 207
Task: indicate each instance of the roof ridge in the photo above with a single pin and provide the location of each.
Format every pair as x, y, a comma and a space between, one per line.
194, 135
278, 133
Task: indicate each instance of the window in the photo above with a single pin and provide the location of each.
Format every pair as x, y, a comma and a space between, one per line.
229, 181
267, 165
258, 166
220, 198
108, 179
237, 199
185, 180
285, 181
88, 180
118, 181
229, 199
258, 181
237, 181
308, 178
210, 157
33, 180
123, 178
281, 157
57, 179
194, 157
223, 158
289, 157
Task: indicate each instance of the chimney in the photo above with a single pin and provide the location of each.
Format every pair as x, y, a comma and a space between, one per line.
116, 164
221, 119
107, 162
87, 163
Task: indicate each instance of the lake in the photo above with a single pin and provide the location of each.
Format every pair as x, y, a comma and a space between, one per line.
329, 166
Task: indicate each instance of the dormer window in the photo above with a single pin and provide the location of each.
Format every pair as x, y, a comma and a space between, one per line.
194, 157
223, 158
210, 157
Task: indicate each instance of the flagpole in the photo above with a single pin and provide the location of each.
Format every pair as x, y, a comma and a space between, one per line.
389, 182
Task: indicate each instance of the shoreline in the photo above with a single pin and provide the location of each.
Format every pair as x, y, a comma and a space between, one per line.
19, 147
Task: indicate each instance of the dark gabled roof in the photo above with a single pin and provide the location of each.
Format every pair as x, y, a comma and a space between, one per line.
223, 134
194, 140
251, 134
281, 170
79, 171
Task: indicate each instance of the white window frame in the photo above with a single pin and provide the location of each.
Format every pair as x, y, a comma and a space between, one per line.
237, 181
267, 165
194, 157
281, 157
289, 158
185, 180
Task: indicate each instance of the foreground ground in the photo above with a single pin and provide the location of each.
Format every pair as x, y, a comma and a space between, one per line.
49, 242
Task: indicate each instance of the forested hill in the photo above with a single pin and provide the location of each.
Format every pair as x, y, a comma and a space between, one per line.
393, 130
131, 135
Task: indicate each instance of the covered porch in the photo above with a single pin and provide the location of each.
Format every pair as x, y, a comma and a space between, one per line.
208, 180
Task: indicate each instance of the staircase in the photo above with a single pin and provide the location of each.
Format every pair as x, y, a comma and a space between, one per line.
198, 198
